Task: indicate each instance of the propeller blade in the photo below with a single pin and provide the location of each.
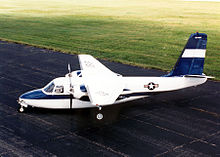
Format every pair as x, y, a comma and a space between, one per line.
71, 86
71, 101
69, 69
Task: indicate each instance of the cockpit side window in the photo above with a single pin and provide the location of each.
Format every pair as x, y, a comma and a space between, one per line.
59, 89
49, 88
79, 74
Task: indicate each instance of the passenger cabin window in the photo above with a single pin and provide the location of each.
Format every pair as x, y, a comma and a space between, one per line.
49, 88
59, 89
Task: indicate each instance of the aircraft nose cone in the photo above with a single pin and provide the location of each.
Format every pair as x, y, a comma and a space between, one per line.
35, 94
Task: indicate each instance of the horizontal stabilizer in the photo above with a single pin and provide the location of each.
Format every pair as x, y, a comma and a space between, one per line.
199, 76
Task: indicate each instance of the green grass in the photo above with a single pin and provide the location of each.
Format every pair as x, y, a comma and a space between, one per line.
146, 33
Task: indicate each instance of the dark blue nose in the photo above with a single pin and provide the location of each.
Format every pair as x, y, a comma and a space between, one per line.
35, 94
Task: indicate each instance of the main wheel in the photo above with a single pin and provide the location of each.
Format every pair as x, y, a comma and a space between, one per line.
99, 116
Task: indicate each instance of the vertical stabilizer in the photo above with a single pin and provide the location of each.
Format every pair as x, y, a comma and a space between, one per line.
192, 58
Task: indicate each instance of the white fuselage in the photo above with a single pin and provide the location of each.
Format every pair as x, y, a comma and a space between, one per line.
134, 88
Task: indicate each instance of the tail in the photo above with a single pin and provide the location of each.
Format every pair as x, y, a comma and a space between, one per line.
191, 60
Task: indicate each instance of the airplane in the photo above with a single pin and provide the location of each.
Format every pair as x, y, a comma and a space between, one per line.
94, 85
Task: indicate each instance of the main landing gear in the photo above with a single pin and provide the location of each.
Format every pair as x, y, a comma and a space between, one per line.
99, 116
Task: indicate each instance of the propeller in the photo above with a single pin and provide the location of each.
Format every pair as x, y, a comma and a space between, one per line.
71, 86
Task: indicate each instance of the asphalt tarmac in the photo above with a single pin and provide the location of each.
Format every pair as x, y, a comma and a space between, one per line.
180, 123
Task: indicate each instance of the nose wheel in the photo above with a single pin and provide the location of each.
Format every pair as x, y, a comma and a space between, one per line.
21, 109
99, 116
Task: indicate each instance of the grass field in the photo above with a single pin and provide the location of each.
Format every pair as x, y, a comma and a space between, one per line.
147, 33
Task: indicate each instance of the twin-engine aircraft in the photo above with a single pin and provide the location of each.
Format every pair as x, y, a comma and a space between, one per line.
96, 86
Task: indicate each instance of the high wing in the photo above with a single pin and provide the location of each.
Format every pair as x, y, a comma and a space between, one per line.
103, 85
103, 90
92, 65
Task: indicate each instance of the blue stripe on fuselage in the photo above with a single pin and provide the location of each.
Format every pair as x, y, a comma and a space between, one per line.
38, 94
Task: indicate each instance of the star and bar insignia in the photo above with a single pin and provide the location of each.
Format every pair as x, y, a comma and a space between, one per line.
151, 86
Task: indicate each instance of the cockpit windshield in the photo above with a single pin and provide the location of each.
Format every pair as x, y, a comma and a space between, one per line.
49, 88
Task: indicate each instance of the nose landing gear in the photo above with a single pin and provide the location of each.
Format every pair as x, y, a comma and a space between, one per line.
21, 109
